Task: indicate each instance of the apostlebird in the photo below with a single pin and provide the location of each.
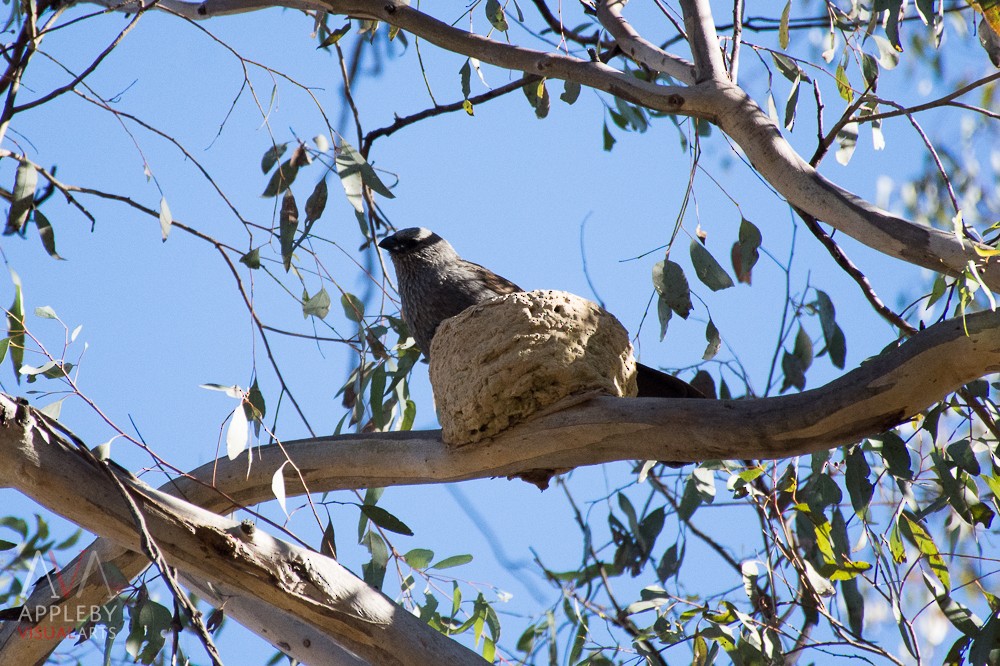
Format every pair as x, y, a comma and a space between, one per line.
435, 284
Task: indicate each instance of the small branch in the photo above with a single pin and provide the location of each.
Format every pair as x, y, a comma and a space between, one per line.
557, 27
941, 101
734, 59
400, 123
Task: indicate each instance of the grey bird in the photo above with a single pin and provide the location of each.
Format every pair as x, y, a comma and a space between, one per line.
435, 284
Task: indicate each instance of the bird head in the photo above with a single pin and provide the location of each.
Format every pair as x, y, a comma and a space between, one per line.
417, 242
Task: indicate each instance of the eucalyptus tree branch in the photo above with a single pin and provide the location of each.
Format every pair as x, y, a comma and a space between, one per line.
878, 395
700, 26
641, 50
218, 551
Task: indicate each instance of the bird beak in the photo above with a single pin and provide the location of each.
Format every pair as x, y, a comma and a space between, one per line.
388, 243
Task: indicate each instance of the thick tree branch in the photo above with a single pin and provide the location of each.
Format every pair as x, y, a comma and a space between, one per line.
878, 395
700, 26
217, 551
641, 50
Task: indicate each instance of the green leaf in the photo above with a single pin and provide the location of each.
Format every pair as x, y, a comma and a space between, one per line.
254, 406
836, 344
794, 373
869, 69
792, 104
15, 326
316, 202
22, 197
354, 309
251, 259
745, 252
419, 558
46, 312
385, 520
288, 221
714, 341
803, 349
672, 285
960, 617
271, 156
859, 486
783, 25
373, 572
896, 456
281, 180
663, 315
609, 139
571, 91
494, 12
335, 36
919, 537
855, 603
328, 544
355, 172
46, 234
465, 75
537, 95
844, 85
317, 305
709, 271
453, 561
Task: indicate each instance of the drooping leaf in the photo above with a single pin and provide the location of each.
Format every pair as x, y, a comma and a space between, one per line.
317, 305
746, 250
15, 326
335, 36
238, 433
278, 486
374, 571
847, 140
355, 172
663, 315
316, 202
495, 15
672, 286
714, 341
859, 486
254, 406
166, 219
537, 95
465, 75
288, 224
22, 197
803, 349
281, 180
354, 308
251, 259
328, 544
384, 519
271, 156
783, 25
46, 234
921, 538
571, 91
844, 85
708, 270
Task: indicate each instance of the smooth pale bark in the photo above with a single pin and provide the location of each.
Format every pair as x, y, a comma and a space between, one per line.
238, 560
